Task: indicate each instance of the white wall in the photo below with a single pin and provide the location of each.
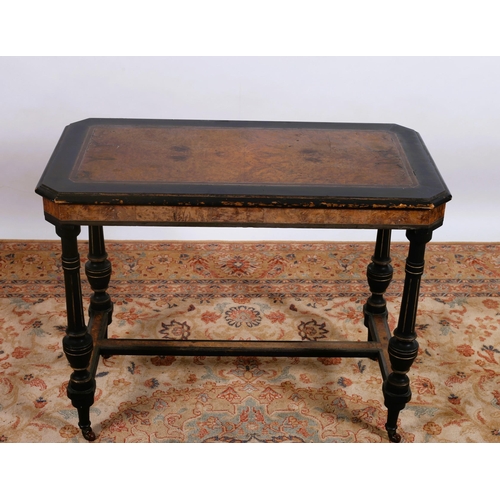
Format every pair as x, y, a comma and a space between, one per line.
453, 102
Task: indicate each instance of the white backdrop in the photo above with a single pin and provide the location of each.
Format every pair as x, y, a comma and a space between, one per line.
453, 102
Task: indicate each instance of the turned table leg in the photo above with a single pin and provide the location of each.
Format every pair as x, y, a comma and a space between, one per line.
98, 271
77, 343
403, 345
379, 275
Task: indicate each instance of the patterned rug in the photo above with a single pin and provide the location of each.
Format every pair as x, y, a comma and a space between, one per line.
212, 290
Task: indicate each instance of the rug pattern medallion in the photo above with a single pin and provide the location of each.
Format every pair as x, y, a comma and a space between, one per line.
270, 291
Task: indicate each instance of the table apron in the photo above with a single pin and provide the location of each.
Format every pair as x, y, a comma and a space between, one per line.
146, 215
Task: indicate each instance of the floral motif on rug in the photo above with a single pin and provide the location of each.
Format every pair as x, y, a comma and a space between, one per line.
248, 399
270, 291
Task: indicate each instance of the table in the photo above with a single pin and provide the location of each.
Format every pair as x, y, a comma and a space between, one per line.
249, 174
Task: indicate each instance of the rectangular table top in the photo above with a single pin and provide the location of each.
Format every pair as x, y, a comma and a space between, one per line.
236, 163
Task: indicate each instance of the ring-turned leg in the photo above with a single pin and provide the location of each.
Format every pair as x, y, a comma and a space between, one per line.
403, 345
98, 271
379, 275
77, 343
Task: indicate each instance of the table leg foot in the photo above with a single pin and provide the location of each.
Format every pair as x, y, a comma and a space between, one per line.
397, 393
81, 391
88, 433
394, 437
